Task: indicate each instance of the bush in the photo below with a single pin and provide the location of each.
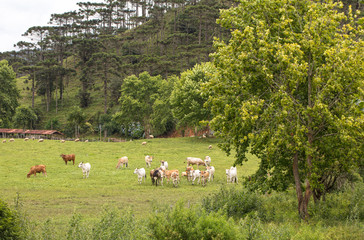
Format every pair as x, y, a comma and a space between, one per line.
346, 205
180, 222
233, 202
9, 222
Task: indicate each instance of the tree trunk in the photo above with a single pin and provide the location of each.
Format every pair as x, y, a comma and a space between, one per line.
105, 92
302, 200
33, 90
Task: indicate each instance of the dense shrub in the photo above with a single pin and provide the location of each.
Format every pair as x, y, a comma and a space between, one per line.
233, 202
181, 222
346, 205
9, 222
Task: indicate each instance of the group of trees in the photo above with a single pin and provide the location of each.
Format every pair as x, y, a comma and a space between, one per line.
93, 44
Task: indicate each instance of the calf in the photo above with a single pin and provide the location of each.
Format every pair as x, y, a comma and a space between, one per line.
122, 161
86, 167
148, 160
141, 174
196, 174
175, 178
189, 173
158, 176
164, 163
204, 175
232, 175
168, 173
37, 169
68, 157
207, 161
211, 170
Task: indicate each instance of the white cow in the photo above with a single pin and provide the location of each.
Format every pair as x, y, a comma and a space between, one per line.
164, 163
207, 161
211, 171
86, 167
232, 175
141, 174
196, 174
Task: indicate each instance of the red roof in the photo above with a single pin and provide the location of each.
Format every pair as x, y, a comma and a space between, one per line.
36, 132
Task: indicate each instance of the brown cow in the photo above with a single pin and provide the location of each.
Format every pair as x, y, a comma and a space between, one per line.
168, 173
37, 169
69, 157
122, 161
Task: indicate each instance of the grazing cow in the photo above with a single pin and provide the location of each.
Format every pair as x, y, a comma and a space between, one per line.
211, 170
164, 163
122, 161
168, 173
158, 176
26, 139
144, 143
141, 174
232, 175
189, 173
175, 178
207, 161
11, 140
204, 175
194, 161
196, 174
41, 140
68, 157
37, 169
86, 167
148, 160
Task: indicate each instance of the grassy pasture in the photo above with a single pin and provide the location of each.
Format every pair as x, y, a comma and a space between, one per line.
64, 191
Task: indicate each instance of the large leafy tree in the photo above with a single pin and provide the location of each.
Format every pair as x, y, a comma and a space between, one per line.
140, 97
187, 98
286, 86
8, 94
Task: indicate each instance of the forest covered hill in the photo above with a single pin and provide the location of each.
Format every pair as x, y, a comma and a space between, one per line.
83, 58
72, 71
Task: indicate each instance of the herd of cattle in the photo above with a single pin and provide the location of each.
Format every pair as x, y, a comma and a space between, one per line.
157, 175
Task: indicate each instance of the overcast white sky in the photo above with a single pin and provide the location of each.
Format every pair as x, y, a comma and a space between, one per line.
17, 16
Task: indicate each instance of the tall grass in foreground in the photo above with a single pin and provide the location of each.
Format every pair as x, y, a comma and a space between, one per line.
212, 218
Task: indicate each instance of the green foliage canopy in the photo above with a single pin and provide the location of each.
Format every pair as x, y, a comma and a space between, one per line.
142, 101
286, 86
187, 98
25, 117
8, 94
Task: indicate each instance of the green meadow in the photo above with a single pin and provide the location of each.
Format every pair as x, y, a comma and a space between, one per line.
64, 192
